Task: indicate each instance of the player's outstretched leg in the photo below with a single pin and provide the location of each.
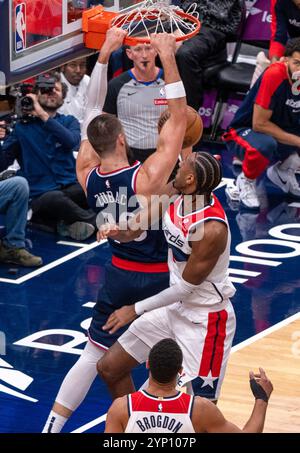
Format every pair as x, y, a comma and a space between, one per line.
74, 388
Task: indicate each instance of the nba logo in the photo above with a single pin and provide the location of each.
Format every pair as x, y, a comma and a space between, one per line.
20, 25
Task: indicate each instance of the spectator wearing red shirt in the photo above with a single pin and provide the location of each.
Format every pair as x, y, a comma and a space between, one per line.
266, 129
285, 24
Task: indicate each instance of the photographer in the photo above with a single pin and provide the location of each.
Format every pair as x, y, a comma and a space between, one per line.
43, 143
14, 194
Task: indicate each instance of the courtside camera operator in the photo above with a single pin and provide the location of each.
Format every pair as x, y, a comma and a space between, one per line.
43, 143
45, 88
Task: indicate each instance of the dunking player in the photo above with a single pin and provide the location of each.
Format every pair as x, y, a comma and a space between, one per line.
138, 269
162, 409
195, 310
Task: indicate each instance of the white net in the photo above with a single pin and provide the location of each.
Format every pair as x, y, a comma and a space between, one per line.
158, 16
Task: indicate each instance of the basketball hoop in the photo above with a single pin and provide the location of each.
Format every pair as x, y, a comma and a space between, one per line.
157, 16
150, 16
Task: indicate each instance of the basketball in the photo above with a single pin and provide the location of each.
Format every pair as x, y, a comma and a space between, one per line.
194, 127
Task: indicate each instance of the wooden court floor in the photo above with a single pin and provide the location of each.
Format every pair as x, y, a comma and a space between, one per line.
277, 350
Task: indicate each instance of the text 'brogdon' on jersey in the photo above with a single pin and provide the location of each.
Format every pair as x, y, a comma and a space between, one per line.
151, 414
114, 196
178, 230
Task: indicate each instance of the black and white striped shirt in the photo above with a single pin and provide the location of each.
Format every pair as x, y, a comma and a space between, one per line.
138, 106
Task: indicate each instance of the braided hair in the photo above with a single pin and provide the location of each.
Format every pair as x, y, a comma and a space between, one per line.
208, 172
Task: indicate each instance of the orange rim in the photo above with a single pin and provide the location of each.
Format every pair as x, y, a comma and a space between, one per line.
132, 40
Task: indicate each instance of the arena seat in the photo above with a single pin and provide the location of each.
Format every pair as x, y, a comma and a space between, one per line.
230, 76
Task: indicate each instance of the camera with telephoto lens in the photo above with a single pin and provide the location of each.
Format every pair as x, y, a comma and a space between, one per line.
26, 103
44, 84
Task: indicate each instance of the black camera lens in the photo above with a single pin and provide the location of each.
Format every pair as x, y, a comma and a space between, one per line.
26, 104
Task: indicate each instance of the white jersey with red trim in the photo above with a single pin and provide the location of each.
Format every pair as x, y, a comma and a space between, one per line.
151, 414
179, 231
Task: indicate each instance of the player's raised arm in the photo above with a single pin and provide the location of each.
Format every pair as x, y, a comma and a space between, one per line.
96, 93
156, 170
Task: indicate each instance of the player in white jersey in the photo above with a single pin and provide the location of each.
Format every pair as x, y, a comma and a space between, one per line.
195, 310
162, 409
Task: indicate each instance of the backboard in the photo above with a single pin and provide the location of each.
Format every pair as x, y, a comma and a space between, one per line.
40, 35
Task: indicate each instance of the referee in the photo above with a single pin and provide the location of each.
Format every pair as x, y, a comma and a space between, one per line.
137, 98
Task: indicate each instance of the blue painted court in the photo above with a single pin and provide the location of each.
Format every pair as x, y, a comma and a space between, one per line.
45, 312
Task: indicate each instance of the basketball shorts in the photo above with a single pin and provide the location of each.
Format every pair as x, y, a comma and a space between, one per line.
121, 287
205, 340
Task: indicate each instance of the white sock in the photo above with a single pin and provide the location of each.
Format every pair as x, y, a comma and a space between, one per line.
55, 423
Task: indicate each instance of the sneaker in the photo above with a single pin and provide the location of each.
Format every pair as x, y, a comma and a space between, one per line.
19, 256
247, 190
77, 230
285, 179
232, 191
262, 62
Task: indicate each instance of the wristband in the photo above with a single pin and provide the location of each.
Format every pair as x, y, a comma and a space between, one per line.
175, 90
258, 391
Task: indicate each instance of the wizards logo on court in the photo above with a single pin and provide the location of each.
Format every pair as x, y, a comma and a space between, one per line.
20, 27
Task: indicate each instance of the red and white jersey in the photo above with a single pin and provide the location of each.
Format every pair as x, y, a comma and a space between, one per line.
179, 231
151, 414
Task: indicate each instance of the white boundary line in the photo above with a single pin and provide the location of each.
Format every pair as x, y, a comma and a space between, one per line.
55, 263
9, 391
265, 333
72, 244
243, 272
89, 304
224, 182
90, 425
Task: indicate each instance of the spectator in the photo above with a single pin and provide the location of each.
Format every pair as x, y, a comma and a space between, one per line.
219, 19
266, 129
137, 98
14, 193
74, 76
44, 146
285, 24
